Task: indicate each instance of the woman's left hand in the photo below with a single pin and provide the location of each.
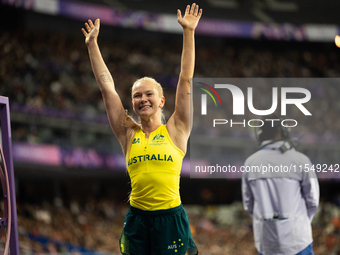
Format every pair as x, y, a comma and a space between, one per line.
191, 17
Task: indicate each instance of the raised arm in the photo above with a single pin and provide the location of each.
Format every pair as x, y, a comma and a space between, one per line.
114, 107
179, 124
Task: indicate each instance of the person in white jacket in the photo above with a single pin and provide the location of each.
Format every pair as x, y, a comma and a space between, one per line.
281, 193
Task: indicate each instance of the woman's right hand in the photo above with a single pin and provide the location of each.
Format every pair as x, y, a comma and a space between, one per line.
92, 31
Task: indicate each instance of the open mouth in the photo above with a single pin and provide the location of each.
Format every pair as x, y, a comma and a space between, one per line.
144, 107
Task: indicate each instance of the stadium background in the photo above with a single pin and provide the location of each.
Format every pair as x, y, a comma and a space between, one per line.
71, 183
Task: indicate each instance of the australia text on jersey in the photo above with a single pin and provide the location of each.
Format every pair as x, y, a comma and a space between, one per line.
145, 157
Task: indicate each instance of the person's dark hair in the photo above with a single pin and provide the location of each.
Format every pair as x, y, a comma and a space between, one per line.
271, 129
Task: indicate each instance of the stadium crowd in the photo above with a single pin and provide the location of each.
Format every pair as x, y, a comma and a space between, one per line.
50, 75
95, 226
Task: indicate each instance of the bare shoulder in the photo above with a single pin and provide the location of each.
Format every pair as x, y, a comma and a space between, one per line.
129, 127
177, 134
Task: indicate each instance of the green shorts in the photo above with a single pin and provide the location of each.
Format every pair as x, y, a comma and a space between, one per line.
157, 233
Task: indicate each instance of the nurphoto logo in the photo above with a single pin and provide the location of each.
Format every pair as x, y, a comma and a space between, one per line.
238, 106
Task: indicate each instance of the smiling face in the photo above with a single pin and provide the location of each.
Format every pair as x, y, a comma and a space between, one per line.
146, 99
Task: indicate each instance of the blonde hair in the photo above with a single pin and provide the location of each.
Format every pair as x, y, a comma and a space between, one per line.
131, 123
158, 86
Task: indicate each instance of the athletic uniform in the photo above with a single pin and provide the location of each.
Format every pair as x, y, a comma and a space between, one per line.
156, 222
282, 203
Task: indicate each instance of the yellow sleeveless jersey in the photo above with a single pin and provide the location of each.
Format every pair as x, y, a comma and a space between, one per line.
154, 167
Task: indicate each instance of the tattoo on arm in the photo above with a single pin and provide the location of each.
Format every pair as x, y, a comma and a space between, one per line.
106, 77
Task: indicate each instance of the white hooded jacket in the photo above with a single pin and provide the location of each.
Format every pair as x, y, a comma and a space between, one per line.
281, 193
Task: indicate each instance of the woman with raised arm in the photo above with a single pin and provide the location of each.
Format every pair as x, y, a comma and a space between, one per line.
156, 222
